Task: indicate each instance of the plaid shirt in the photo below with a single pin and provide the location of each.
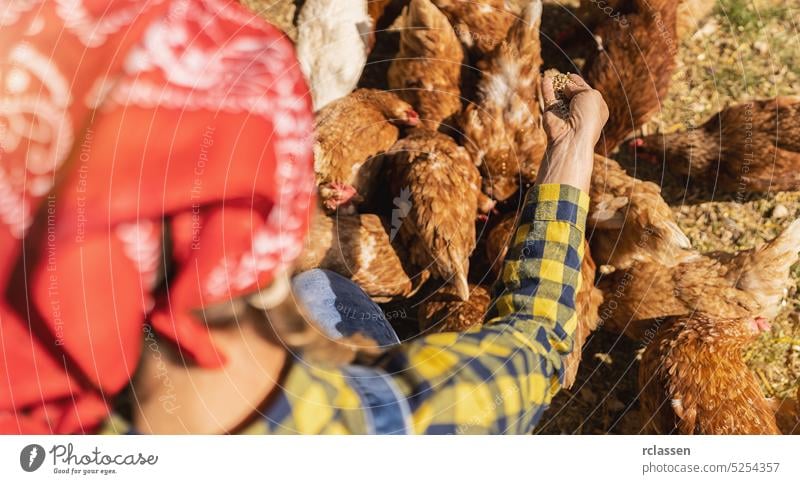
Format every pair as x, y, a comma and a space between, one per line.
495, 379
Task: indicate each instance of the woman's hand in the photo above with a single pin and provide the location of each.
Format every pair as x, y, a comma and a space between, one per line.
571, 139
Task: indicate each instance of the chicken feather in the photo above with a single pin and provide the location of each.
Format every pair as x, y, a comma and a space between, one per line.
503, 130
328, 32
632, 67
694, 380
427, 70
358, 247
443, 187
629, 220
749, 283
444, 310
753, 146
480, 24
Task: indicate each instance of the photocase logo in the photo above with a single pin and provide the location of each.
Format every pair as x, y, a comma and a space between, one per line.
31, 457
402, 205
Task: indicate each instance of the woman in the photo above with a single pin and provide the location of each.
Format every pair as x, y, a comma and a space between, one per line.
156, 169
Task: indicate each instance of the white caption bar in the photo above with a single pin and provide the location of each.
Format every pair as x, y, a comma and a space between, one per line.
387, 460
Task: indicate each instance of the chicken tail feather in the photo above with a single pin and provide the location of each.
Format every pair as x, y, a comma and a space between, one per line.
764, 272
676, 236
785, 246
524, 34
461, 286
425, 26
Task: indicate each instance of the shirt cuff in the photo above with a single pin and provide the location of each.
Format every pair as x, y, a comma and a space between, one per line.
556, 202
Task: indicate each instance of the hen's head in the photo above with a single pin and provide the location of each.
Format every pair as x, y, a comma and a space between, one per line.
402, 114
335, 195
740, 333
393, 108
721, 336
686, 153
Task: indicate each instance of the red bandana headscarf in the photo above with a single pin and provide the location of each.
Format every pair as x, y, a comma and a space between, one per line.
136, 136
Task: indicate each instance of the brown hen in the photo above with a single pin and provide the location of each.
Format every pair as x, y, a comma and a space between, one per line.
358, 247
638, 298
788, 415
632, 67
438, 186
764, 271
753, 146
629, 220
591, 13
427, 69
479, 24
694, 380
444, 311
750, 283
350, 133
503, 129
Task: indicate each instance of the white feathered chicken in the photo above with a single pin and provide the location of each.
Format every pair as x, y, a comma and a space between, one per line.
332, 46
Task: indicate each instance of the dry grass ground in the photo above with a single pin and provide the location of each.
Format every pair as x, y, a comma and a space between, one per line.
744, 50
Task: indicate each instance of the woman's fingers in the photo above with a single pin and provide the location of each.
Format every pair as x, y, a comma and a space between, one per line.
575, 86
578, 81
548, 92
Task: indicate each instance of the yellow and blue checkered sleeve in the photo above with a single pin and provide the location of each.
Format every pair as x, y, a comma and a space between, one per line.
541, 272
501, 377
495, 379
